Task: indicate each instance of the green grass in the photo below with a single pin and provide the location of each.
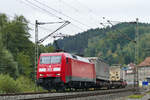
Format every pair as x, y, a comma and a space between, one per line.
148, 92
136, 96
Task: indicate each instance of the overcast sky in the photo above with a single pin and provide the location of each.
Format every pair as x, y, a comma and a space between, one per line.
83, 14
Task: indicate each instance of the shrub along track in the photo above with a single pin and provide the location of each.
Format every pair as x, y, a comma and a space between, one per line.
63, 95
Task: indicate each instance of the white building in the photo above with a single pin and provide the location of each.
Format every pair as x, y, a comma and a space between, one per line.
129, 74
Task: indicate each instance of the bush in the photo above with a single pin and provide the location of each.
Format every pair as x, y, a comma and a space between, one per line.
26, 84
8, 84
22, 84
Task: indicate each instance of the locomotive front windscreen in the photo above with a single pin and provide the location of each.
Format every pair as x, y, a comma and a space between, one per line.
50, 59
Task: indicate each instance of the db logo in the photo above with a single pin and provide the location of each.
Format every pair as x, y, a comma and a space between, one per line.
49, 69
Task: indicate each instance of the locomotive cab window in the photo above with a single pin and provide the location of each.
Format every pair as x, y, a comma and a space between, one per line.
50, 59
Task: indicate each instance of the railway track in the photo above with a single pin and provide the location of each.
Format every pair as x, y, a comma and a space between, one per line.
58, 96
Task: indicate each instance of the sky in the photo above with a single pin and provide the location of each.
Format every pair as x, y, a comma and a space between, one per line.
83, 14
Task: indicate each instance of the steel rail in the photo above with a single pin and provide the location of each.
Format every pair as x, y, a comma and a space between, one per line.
61, 95
81, 95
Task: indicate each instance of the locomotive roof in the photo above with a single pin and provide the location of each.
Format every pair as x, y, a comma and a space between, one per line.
68, 55
97, 59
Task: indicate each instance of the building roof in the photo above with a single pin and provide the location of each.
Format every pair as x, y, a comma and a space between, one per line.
146, 62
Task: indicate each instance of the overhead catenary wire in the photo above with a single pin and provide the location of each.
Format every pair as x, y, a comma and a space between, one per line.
41, 40
78, 11
87, 7
48, 22
30, 4
57, 12
35, 7
33, 23
45, 10
69, 6
89, 10
61, 13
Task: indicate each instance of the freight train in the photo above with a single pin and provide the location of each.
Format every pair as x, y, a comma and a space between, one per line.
64, 70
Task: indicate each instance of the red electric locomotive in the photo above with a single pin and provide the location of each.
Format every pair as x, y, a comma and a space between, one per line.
60, 70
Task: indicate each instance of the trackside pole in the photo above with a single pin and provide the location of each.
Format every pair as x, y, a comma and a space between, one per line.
36, 53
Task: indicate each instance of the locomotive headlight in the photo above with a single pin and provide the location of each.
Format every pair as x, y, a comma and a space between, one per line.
57, 74
41, 75
42, 69
56, 69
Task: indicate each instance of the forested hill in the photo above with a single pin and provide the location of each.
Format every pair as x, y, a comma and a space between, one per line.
77, 43
113, 44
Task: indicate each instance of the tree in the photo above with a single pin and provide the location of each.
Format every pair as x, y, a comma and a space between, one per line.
7, 63
24, 64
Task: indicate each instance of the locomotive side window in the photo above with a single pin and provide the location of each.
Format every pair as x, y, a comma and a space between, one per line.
75, 57
50, 59
67, 60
